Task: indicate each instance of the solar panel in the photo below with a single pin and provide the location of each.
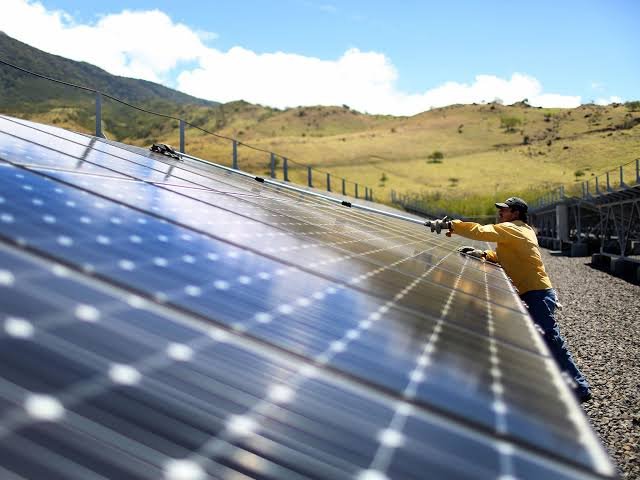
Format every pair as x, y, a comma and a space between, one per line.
164, 319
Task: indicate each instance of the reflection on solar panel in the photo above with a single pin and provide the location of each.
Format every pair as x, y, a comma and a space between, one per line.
168, 320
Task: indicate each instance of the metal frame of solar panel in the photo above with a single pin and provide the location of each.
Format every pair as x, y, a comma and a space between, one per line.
172, 320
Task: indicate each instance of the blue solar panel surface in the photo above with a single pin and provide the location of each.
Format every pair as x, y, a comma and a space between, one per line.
169, 320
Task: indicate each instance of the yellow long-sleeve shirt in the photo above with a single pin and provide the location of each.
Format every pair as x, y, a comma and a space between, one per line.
516, 251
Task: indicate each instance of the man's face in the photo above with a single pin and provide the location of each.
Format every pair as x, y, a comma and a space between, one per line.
507, 215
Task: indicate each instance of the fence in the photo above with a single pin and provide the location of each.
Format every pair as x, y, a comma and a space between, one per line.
621, 177
237, 152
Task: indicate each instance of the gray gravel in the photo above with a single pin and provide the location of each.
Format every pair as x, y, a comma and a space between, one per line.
601, 323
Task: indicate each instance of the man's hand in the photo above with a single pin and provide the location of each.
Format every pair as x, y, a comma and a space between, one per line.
439, 225
471, 251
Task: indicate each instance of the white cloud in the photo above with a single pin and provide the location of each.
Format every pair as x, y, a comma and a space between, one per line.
608, 100
149, 45
140, 44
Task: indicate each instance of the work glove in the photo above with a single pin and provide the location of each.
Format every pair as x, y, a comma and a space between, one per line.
471, 251
439, 225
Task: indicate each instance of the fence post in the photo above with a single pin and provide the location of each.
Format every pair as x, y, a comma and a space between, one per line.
608, 183
371, 194
235, 155
583, 191
587, 184
285, 169
356, 190
621, 178
99, 115
309, 177
637, 170
272, 165
328, 182
344, 186
181, 136
597, 187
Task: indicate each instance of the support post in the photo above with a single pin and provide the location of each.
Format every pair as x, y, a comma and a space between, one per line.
99, 115
181, 136
235, 155
328, 182
285, 169
371, 194
597, 187
309, 177
344, 186
272, 165
622, 185
637, 170
356, 190
608, 183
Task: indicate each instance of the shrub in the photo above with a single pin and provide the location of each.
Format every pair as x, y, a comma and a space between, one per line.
436, 155
633, 106
509, 123
578, 173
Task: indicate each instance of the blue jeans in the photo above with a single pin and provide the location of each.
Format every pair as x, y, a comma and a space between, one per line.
542, 308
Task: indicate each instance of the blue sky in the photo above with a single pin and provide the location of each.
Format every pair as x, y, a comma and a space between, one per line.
378, 56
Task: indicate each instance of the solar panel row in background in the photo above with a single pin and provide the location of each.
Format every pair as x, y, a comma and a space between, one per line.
165, 319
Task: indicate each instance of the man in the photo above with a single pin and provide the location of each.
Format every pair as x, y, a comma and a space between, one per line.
518, 253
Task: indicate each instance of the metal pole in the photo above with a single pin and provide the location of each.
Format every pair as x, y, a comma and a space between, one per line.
235, 155
637, 170
608, 183
622, 181
366, 193
356, 190
344, 186
597, 187
309, 177
99, 115
181, 136
272, 166
285, 169
583, 193
371, 194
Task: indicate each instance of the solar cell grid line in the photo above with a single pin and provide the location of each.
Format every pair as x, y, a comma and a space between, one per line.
392, 437
272, 249
127, 266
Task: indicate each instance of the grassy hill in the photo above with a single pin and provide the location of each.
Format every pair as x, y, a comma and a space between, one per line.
459, 158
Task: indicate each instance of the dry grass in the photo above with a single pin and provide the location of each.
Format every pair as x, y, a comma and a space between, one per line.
481, 160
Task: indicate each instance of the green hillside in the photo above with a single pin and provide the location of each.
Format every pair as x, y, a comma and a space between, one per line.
458, 158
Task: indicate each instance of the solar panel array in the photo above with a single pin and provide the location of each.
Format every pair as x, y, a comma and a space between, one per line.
169, 320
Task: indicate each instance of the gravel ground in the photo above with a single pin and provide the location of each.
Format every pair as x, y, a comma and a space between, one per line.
601, 323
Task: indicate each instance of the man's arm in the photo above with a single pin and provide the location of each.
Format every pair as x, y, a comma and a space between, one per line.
475, 231
502, 232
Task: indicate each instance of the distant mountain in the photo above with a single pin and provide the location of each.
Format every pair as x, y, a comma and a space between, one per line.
18, 89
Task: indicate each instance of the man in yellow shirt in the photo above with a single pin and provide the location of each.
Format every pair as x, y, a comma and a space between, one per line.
518, 253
